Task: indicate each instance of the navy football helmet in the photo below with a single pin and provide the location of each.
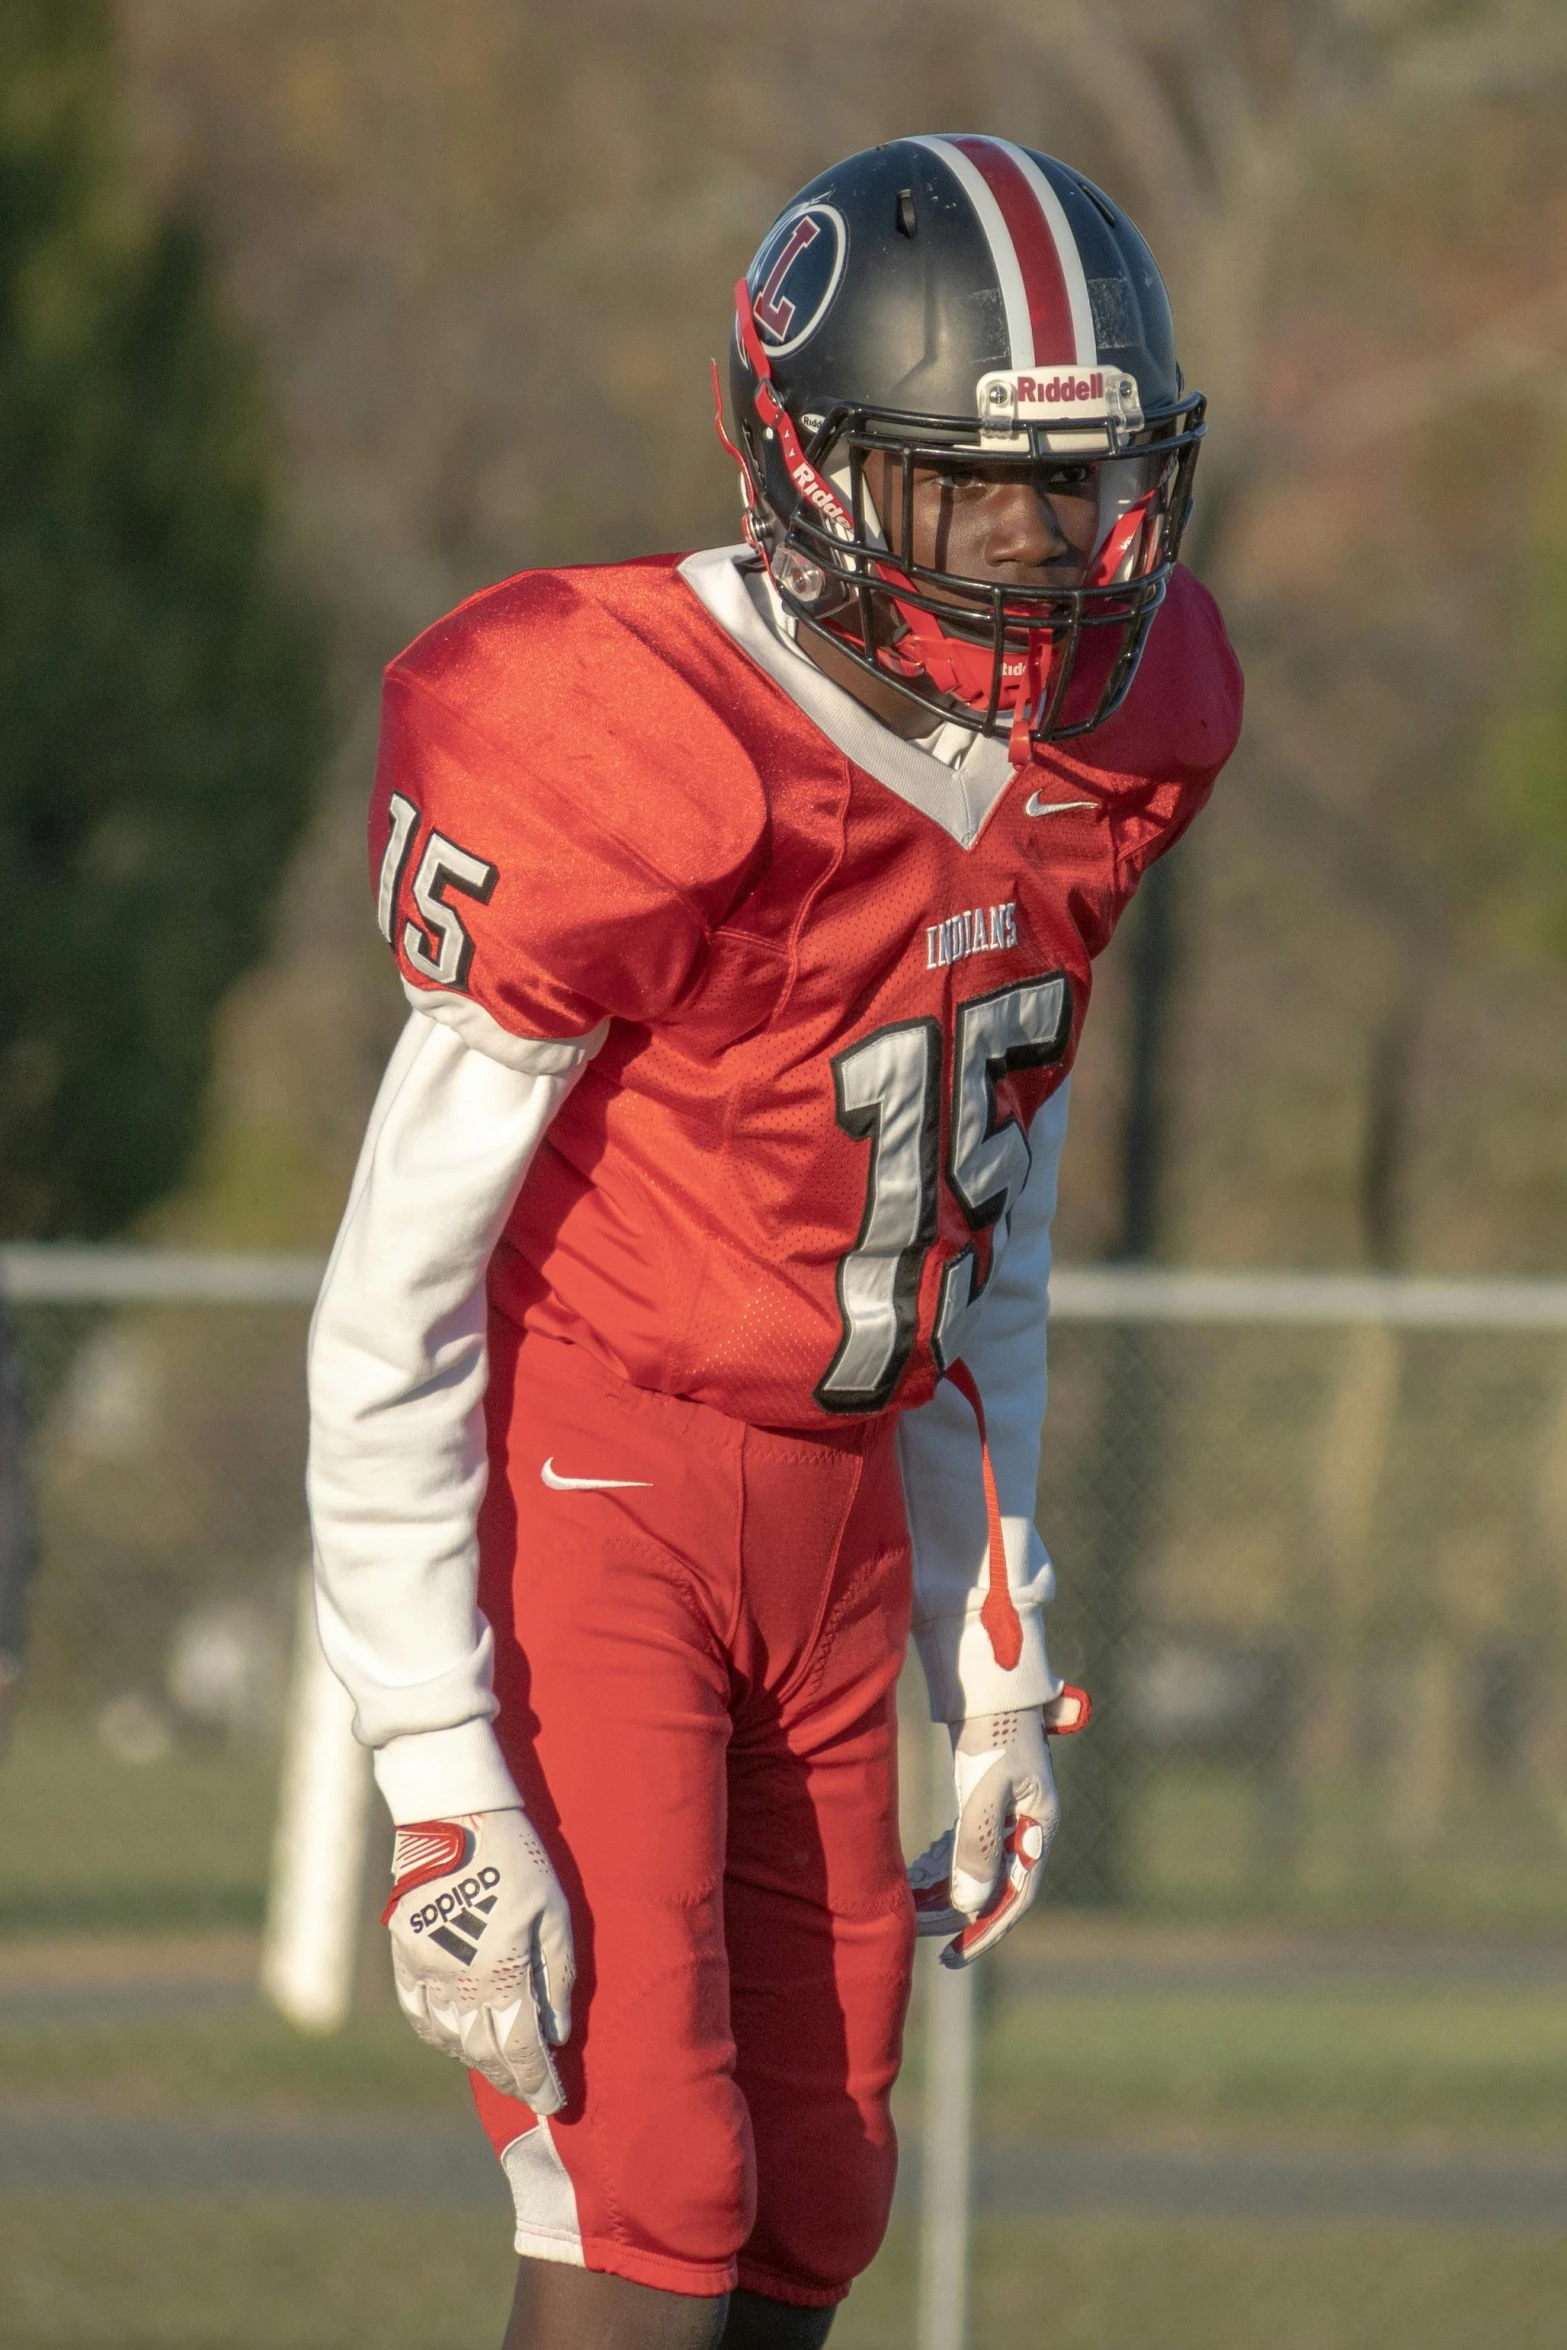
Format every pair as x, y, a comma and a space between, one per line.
962, 304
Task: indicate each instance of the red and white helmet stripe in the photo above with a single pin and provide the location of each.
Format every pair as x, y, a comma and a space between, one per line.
1050, 319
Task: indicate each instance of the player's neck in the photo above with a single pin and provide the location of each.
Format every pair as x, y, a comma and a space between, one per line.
895, 711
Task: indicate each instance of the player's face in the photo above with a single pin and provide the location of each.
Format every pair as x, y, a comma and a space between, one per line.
1021, 525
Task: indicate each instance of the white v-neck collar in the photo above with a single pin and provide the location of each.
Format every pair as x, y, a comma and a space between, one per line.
958, 794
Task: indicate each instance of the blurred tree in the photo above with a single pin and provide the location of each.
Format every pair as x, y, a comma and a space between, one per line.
161, 698
1231, 119
1524, 768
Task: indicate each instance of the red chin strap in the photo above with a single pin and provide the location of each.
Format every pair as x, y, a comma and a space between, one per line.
953, 665
750, 524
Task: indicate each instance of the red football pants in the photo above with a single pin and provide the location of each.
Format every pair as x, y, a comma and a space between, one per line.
696, 1673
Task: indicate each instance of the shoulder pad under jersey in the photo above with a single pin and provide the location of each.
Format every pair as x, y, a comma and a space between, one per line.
592, 814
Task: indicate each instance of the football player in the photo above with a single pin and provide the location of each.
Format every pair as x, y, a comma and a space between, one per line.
685, 1336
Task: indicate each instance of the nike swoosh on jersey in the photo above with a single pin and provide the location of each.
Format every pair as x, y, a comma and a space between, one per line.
1035, 806
559, 1484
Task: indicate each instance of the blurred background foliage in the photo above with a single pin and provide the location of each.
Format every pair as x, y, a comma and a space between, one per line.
467, 262
1523, 772
316, 315
161, 693
317, 318
484, 249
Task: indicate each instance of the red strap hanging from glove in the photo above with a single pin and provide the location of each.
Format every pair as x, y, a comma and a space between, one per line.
998, 1615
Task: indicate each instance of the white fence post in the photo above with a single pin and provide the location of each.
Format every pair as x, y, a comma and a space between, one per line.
946, 2172
318, 1857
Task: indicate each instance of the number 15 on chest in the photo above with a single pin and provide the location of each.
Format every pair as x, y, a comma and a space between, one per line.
888, 1091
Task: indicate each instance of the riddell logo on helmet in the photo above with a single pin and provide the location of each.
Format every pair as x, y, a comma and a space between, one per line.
815, 492
1005, 398
1037, 392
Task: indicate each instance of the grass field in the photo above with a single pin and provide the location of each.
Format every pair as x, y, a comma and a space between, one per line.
1415, 2065
1499, 1864
1389, 2063
1153, 2031
245, 2060
88, 1843
253, 2276
1289, 2067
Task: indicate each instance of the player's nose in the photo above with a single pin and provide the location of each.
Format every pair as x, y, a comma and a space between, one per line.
1022, 530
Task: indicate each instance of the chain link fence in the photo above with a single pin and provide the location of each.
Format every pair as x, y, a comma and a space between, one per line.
1280, 2056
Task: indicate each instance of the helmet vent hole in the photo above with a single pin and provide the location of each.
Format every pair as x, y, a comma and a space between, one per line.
907, 223
1100, 202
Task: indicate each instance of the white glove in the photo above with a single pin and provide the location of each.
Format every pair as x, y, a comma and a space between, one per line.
481, 1948
977, 1880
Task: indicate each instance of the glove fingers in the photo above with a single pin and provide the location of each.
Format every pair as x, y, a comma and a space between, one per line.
930, 1882
526, 2050
554, 1972
410, 1992
934, 1865
506, 2046
414, 1999
441, 2027
928, 1923
1027, 1846
481, 2054
977, 1848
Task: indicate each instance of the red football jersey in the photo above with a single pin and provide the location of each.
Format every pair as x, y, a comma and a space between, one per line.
777, 1186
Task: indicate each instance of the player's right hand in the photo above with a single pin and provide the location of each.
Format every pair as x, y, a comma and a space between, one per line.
481, 1948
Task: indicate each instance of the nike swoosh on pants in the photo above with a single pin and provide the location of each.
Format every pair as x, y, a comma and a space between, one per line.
558, 1484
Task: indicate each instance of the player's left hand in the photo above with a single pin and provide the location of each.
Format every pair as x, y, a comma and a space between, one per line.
977, 1880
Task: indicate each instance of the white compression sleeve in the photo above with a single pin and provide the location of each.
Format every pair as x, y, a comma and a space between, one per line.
938, 1449
397, 1377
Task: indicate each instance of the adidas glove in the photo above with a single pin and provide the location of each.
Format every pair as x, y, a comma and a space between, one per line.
977, 1880
481, 1948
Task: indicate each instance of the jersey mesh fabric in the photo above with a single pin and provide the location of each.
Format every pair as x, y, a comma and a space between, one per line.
671, 844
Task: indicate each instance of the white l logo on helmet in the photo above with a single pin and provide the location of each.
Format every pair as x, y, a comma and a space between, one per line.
796, 275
